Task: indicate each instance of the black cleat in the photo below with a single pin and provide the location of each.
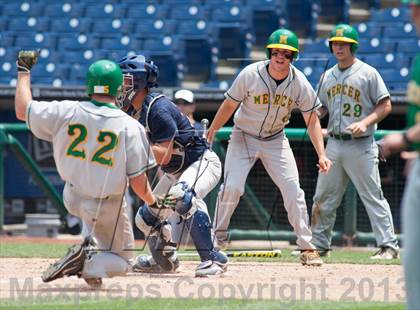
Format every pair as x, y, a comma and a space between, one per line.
71, 264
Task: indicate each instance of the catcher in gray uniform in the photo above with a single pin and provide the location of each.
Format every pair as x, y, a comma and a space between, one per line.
356, 98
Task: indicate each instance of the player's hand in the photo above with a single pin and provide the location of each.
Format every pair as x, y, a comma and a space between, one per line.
26, 59
210, 135
393, 143
324, 164
357, 128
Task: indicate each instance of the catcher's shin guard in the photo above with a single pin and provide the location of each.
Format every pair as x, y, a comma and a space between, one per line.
164, 253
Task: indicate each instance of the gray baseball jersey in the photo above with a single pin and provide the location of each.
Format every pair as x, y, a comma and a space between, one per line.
351, 95
264, 110
95, 146
265, 107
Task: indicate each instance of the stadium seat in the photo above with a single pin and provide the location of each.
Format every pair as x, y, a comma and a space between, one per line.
71, 25
401, 14
195, 28
232, 13
20, 9
107, 26
320, 46
302, 17
168, 75
101, 10
377, 45
7, 38
400, 30
190, 12
77, 42
37, 40
147, 11
152, 28
58, 9
335, 10
410, 45
369, 30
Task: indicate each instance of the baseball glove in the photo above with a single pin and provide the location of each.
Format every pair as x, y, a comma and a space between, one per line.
26, 59
381, 152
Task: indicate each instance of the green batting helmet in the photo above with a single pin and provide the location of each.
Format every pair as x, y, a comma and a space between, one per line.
104, 77
415, 2
345, 33
284, 39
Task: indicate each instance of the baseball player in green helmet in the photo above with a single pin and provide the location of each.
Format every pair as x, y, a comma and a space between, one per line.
263, 96
410, 139
356, 98
97, 147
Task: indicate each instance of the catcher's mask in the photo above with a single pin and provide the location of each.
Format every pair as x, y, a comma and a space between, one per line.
138, 74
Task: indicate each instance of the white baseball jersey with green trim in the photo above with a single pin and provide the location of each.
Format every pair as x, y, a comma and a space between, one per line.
265, 108
95, 146
351, 95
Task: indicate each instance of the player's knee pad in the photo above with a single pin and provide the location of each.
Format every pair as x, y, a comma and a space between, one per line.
146, 221
185, 195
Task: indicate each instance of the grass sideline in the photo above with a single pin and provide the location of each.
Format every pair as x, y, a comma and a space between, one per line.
201, 304
44, 250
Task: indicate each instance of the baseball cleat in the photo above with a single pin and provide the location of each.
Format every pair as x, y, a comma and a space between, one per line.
71, 264
385, 253
310, 258
147, 264
210, 268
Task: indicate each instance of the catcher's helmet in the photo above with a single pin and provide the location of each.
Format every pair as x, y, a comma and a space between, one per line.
285, 39
144, 72
104, 77
345, 33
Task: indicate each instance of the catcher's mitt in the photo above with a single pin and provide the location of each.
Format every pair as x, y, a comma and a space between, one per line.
26, 59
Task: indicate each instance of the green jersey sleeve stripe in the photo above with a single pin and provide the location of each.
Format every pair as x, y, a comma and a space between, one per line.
144, 169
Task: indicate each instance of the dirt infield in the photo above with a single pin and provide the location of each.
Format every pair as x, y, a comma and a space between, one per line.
20, 280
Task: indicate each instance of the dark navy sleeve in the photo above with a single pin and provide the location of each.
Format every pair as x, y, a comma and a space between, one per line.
162, 126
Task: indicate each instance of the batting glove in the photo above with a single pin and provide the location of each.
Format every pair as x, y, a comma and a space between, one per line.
26, 59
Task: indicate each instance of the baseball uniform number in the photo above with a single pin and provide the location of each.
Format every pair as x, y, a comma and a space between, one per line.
107, 140
357, 110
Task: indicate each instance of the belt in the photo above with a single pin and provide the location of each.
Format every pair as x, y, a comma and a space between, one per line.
345, 136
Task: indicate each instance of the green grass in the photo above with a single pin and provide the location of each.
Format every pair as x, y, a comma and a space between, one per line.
202, 304
29, 250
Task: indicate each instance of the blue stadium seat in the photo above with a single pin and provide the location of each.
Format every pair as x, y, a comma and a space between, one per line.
107, 26
71, 25
112, 44
147, 11
411, 45
100, 10
232, 13
401, 14
335, 9
42, 80
369, 30
375, 60
172, 3
168, 75
77, 42
78, 73
20, 9
7, 38
190, 12
195, 28
377, 45
37, 40
302, 16
152, 28
400, 30
320, 46
58, 9
22, 24
3, 23
267, 16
